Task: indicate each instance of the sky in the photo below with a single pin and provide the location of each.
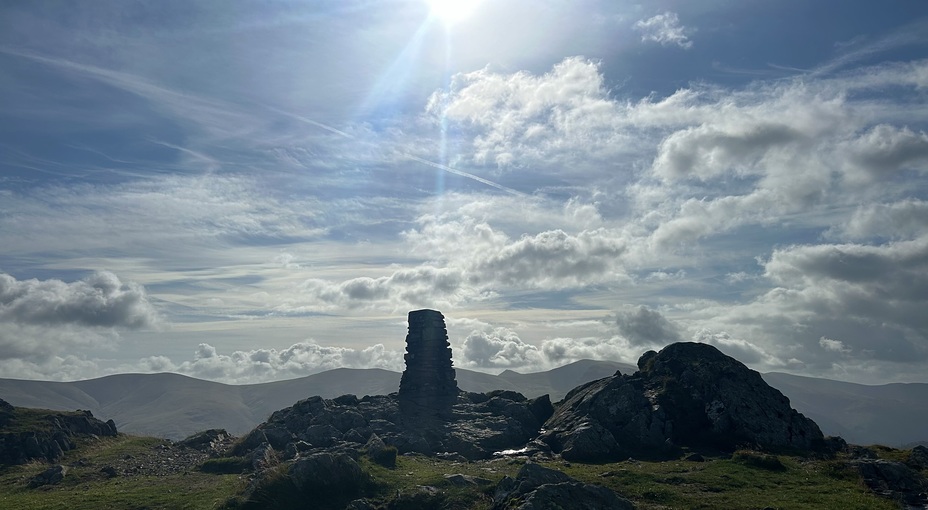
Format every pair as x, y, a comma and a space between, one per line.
260, 190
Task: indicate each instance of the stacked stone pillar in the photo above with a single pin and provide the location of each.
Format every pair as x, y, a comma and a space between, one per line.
428, 385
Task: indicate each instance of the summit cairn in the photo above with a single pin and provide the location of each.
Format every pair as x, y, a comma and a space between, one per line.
428, 386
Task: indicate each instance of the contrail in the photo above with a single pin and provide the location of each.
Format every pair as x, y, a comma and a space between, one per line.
446, 168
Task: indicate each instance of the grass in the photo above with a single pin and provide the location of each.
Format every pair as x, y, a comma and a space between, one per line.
734, 483
85, 487
746, 480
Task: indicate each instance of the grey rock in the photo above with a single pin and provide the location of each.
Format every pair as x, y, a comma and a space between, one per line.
687, 394
918, 457
536, 487
50, 476
207, 440
327, 472
262, 457
894, 480
460, 480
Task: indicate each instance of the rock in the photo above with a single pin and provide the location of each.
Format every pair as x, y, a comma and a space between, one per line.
537, 488
249, 442
326, 472
360, 504
207, 440
541, 408
594, 417
428, 386
918, 457
421, 496
380, 453
714, 398
459, 480
51, 436
694, 457
262, 457
688, 394
109, 471
894, 480
50, 476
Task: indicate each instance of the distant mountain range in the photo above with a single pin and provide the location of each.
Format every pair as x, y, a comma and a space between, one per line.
175, 406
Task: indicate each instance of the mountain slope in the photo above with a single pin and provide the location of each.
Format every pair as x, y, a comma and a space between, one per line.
889, 414
174, 406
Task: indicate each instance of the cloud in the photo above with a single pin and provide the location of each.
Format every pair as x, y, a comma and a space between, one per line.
262, 365
643, 326
740, 349
560, 350
871, 297
498, 348
664, 29
905, 219
469, 261
98, 301
833, 345
524, 121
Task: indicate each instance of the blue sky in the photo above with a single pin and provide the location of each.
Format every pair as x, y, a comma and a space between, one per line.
253, 191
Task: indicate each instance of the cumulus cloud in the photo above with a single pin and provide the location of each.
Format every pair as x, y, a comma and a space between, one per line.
738, 348
469, 260
262, 365
100, 300
905, 219
519, 120
561, 350
870, 297
643, 326
665, 29
498, 348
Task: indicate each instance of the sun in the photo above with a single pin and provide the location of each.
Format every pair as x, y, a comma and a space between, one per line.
450, 12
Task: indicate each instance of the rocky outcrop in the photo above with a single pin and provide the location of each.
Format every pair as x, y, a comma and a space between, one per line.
476, 426
428, 385
537, 488
34, 434
687, 394
894, 480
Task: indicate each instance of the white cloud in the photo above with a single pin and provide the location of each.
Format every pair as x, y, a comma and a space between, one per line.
560, 350
42, 320
738, 348
498, 348
100, 300
905, 219
665, 29
525, 121
833, 345
262, 365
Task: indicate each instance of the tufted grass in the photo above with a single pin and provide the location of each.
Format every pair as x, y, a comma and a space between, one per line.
85, 487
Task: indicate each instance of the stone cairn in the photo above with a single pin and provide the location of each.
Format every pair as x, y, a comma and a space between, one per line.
428, 386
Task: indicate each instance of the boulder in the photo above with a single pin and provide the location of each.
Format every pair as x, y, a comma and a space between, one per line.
536, 488
713, 398
50, 476
687, 394
327, 472
918, 457
893, 480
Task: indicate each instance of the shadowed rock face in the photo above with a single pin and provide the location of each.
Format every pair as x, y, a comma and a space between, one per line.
687, 394
428, 384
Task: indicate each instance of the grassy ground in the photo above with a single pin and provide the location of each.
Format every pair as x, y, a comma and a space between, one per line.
747, 480
85, 487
